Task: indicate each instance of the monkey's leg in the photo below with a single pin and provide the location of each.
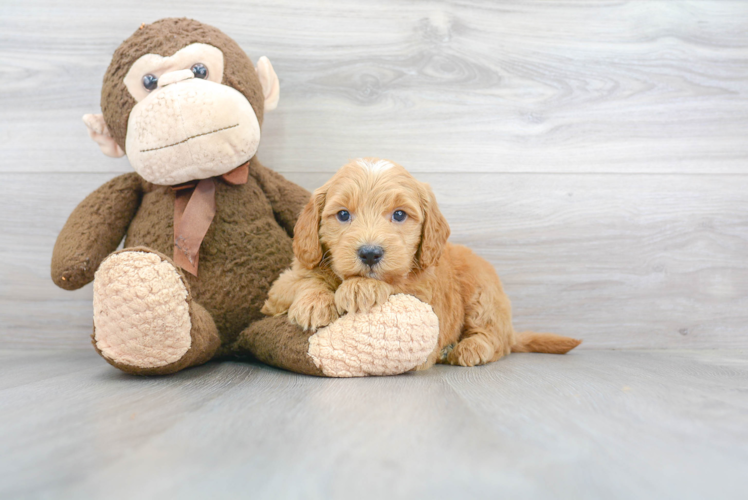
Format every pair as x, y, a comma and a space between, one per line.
393, 338
145, 321
277, 342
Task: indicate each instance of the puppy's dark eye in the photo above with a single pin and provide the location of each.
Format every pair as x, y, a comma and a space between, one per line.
399, 216
343, 216
200, 71
150, 82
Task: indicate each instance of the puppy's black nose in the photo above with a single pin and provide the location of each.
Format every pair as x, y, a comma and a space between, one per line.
370, 255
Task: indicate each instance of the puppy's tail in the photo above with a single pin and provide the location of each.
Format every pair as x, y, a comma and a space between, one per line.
549, 343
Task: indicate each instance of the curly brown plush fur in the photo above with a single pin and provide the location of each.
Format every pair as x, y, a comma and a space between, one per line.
246, 247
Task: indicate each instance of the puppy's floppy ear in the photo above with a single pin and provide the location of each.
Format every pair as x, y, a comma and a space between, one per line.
434, 231
306, 246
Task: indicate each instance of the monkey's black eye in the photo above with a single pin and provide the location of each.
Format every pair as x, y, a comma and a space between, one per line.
343, 216
200, 71
150, 82
399, 216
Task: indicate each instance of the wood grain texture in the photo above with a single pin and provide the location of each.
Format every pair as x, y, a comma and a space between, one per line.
488, 86
588, 425
595, 152
622, 261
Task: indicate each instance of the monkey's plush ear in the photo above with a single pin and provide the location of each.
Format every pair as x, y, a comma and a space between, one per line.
98, 131
269, 82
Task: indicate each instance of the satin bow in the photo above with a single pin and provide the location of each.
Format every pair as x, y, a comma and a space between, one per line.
194, 209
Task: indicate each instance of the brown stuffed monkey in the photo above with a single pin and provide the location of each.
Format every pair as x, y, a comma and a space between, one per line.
207, 228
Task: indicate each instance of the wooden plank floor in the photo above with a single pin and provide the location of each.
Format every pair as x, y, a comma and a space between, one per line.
594, 424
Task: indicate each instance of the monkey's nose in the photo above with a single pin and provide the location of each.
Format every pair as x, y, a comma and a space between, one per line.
174, 77
370, 255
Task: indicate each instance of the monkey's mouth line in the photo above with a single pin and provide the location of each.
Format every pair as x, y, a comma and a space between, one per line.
189, 138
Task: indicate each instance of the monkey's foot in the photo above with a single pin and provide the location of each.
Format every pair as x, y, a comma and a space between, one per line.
144, 319
393, 338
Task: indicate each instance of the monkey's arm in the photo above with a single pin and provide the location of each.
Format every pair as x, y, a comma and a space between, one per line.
286, 198
94, 230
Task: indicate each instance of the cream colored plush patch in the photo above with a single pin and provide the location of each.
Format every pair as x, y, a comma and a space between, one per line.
99, 132
141, 315
269, 82
191, 129
393, 338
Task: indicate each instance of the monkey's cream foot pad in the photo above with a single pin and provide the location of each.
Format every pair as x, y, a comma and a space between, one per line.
393, 338
141, 310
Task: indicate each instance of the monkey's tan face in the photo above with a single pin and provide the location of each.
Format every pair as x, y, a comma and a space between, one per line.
186, 124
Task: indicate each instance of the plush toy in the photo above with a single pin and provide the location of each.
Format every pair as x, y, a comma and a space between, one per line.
207, 228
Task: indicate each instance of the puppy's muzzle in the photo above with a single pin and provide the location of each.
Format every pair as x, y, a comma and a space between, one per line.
370, 255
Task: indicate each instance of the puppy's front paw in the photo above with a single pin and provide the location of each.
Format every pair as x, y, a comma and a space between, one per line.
471, 351
273, 307
281, 294
313, 310
361, 294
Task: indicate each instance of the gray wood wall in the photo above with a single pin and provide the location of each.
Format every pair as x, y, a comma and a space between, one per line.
595, 151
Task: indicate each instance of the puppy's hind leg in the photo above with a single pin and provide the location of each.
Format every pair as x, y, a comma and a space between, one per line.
487, 334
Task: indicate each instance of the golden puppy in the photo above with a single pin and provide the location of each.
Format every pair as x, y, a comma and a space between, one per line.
373, 230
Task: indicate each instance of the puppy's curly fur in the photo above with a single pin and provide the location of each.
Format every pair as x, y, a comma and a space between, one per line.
377, 204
